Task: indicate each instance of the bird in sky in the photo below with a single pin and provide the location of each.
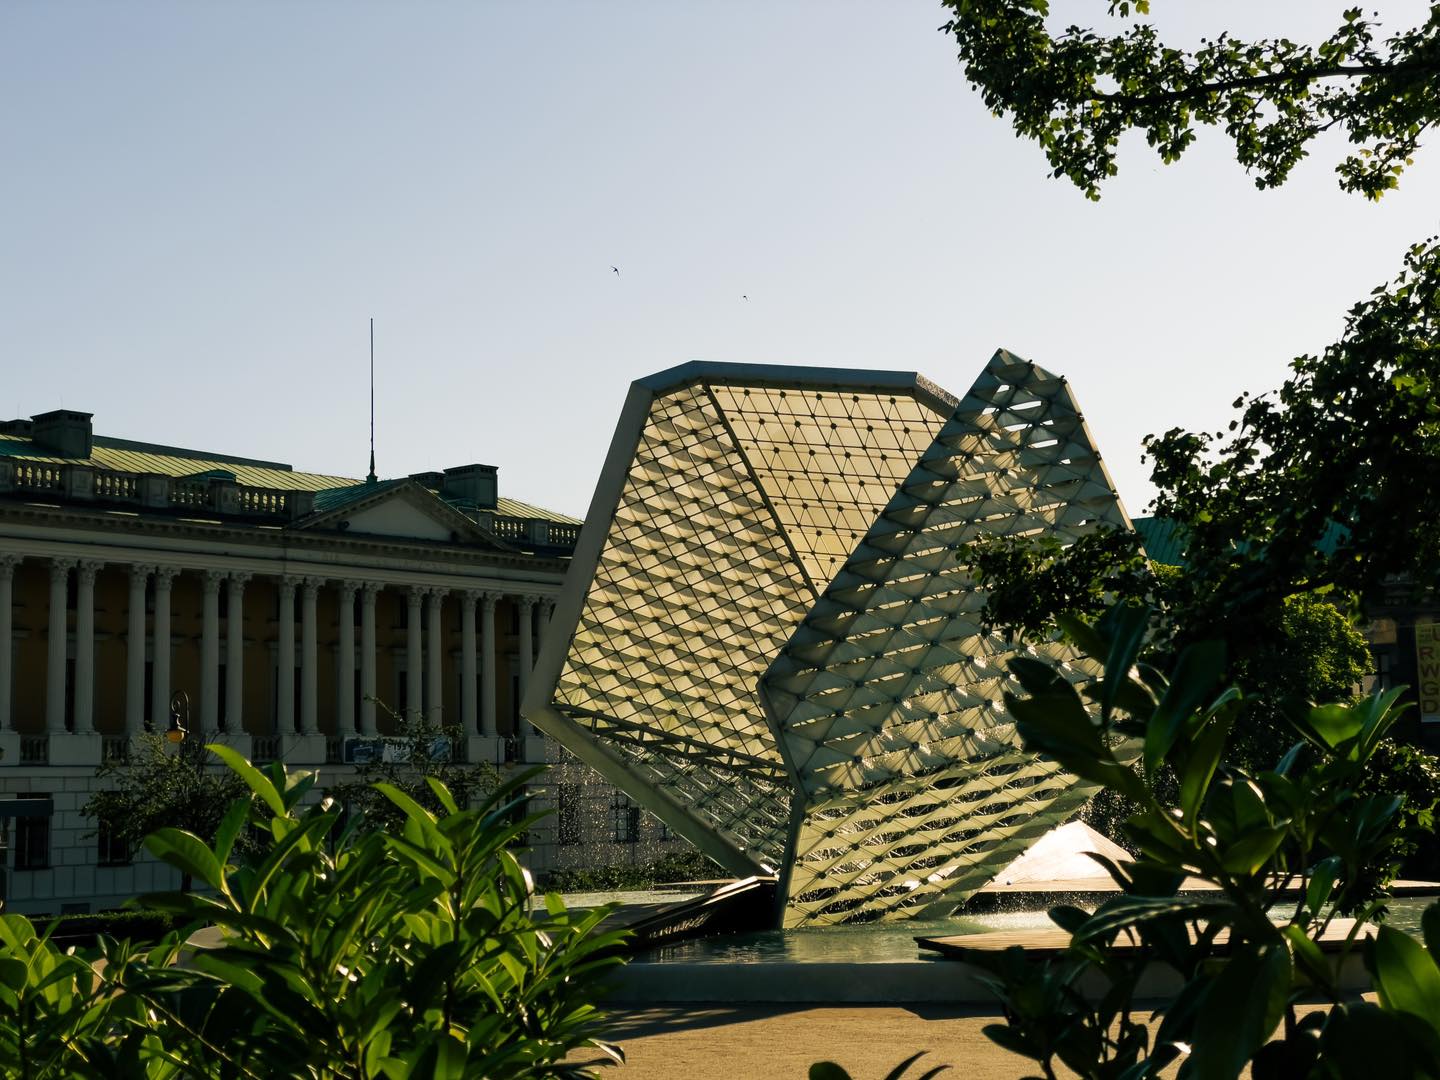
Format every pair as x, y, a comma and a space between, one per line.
744, 297
616, 269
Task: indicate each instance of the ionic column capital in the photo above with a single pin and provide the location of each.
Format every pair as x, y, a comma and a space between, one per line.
490, 599
312, 586
238, 578
87, 571
213, 579
468, 599
166, 575
371, 588
527, 601
348, 588
61, 567
438, 592
288, 583
8, 562
141, 571
415, 594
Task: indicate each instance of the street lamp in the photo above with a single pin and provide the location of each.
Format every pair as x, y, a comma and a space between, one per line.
179, 726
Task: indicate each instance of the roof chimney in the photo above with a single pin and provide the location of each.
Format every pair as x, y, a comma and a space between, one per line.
64, 432
473, 484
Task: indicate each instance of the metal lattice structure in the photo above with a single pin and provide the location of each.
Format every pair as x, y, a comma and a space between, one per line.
767, 638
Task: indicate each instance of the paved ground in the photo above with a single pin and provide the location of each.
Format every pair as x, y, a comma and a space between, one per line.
758, 1042
779, 1042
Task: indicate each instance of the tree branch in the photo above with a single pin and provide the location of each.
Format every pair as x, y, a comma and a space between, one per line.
1252, 82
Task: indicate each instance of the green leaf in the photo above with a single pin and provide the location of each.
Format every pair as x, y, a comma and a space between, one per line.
1127, 911
1252, 851
1308, 957
1204, 758
251, 775
1430, 925
230, 826
1241, 1012
1083, 636
1321, 884
1125, 625
1196, 672
188, 853
1406, 977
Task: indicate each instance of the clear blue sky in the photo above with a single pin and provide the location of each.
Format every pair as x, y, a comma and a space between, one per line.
201, 205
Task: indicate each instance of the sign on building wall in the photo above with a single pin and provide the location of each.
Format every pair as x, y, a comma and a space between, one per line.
1427, 668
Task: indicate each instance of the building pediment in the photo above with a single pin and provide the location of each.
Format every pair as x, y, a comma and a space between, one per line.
403, 509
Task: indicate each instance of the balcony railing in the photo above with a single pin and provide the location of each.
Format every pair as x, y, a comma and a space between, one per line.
34, 749
222, 496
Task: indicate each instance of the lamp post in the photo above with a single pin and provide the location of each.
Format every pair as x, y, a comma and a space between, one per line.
179, 727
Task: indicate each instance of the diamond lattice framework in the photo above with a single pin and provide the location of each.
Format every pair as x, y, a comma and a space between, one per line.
768, 640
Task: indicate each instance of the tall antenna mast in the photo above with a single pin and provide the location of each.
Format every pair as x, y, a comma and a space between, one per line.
372, 478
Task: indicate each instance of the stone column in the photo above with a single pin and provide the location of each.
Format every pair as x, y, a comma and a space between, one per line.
309, 663
285, 659
345, 692
527, 640
434, 657
414, 673
527, 651
160, 678
467, 661
547, 608
135, 652
85, 646
488, 601
210, 653
59, 633
235, 654
367, 657
7, 601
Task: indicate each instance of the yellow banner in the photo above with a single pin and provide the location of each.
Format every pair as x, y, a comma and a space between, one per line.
1427, 667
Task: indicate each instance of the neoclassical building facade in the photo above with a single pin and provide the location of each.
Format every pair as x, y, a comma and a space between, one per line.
289, 614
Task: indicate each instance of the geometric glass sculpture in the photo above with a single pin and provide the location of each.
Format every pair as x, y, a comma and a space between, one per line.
767, 639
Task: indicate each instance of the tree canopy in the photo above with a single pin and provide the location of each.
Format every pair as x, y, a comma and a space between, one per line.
1076, 92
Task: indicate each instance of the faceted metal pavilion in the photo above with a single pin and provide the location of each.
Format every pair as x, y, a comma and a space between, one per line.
766, 637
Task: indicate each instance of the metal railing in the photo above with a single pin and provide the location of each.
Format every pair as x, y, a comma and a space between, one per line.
34, 749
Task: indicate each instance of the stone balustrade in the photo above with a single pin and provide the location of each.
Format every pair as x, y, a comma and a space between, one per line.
221, 496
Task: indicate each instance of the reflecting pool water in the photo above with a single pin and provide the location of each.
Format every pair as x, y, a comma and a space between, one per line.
892, 942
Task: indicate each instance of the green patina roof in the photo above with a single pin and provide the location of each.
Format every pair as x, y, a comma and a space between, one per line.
1162, 540
123, 455
1165, 543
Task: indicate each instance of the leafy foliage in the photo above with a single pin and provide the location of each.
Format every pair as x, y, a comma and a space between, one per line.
164, 784
1077, 92
688, 865
1246, 954
418, 751
412, 952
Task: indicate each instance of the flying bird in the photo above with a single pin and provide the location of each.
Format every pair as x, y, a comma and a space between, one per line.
744, 298
616, 269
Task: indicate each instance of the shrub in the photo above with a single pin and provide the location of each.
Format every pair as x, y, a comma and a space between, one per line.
383, 954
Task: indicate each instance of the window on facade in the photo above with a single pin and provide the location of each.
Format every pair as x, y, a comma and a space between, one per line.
112, 850
626, 819
567, 815
32, 838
